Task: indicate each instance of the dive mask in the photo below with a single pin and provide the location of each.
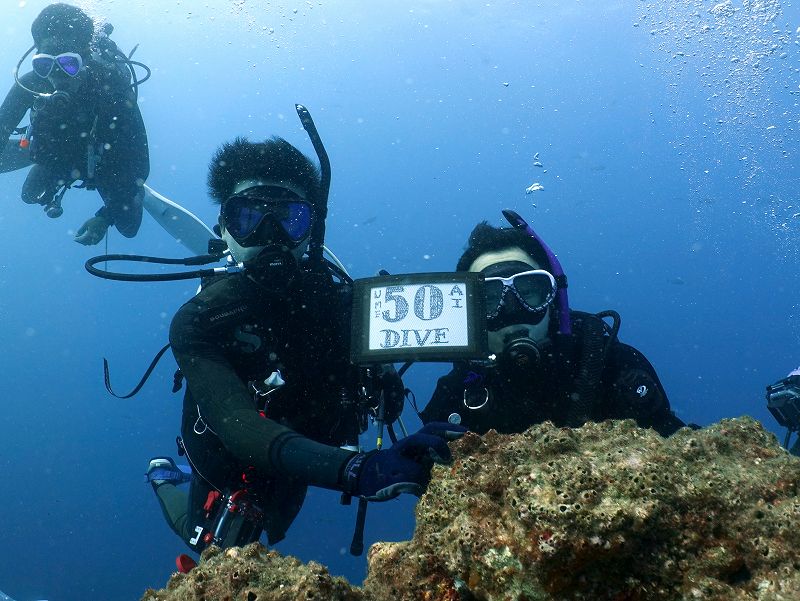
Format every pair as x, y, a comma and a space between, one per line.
290, 215
535, 289
69, 62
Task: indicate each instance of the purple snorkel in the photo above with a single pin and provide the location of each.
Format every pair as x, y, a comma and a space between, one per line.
564, 322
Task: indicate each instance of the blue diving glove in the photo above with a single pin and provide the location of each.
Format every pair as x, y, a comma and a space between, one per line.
404, 468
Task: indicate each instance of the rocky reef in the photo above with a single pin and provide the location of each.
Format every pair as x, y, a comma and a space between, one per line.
253, 573
606, 511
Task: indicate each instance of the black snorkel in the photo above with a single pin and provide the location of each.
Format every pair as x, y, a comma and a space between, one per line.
216, 246
315, 246
561, 300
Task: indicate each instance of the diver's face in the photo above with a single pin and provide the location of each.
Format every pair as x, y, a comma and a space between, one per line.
266, 215
58, 78
513, 317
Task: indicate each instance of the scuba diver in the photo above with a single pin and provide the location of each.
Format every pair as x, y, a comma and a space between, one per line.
85, 129
548, 362
783, 401
272, 400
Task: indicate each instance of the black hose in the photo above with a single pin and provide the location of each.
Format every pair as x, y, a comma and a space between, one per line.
153, 277
152, 366
611, 330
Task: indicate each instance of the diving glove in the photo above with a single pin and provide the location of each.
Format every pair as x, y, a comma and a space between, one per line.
403, 468
93, 231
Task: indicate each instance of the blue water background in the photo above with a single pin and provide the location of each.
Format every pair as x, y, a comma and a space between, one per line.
670, 195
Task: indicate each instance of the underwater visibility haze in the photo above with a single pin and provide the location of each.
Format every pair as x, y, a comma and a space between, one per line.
653, 145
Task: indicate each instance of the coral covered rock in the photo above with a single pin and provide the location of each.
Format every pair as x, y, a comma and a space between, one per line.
607, 511
253, 573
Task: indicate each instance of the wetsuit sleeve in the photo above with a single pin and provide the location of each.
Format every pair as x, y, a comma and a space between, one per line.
636, 393
445, 400
15, 105
226, 406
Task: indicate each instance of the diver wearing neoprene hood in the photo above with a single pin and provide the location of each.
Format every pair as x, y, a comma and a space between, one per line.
86, 130
548, 363
273, 404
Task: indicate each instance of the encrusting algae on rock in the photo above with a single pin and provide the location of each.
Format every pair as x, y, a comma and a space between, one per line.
253, 573
606, 511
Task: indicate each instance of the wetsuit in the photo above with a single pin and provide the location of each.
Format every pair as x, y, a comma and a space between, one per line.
516, 398
100, 119
237, 332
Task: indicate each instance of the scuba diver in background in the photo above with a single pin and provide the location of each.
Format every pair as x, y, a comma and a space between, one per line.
85, 125
548, 362
783, 401
271, 395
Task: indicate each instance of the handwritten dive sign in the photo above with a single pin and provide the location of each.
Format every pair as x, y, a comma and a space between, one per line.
412, 317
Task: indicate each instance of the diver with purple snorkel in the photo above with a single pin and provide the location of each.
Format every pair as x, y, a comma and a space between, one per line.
547, 362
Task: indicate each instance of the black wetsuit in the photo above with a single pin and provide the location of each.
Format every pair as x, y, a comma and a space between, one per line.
516, 398
236, 332
102, 118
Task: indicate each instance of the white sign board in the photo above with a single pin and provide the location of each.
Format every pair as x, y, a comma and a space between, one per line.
412, 317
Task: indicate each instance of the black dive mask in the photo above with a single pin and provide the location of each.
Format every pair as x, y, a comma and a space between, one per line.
267, 215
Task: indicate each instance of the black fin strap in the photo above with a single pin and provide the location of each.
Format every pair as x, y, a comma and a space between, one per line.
146, 375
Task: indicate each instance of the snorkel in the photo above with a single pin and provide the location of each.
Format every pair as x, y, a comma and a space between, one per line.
561, 300
315, 246
315, 249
